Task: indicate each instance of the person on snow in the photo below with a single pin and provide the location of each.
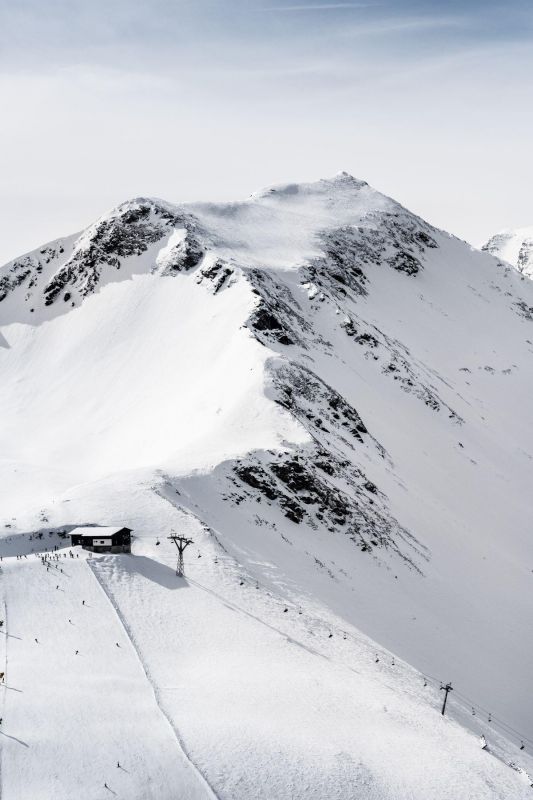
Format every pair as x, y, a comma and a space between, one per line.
483, 742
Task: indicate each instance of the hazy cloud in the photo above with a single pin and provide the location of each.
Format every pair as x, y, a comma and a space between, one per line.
190, 99
321, 7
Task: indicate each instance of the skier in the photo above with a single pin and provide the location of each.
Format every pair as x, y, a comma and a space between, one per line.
483, 742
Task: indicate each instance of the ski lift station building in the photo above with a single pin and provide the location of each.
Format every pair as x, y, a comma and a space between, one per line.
102, 540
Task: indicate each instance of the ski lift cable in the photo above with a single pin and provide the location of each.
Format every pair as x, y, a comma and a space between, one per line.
498, 722
495, 720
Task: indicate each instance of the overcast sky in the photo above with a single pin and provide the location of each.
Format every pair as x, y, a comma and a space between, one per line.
431, 102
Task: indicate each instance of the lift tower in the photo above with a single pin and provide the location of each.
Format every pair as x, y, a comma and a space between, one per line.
181, 543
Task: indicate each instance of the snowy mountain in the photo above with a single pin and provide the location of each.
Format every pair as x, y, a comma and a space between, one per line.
331, 398
514, 246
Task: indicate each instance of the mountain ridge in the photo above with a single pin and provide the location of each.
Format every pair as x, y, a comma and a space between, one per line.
316, 375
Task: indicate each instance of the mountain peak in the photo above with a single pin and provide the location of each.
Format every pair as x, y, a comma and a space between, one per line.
515, 247
331, 398
341, 180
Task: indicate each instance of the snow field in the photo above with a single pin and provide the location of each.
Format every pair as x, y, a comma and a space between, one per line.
155, 372
68, 719
261, 700
269, 707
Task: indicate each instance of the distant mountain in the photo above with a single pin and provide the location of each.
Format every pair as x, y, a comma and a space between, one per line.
331, 391
515, 247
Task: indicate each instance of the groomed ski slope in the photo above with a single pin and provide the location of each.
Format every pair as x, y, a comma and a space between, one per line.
214, 690
69, 718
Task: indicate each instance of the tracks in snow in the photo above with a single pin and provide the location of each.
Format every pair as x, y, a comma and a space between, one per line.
209, 791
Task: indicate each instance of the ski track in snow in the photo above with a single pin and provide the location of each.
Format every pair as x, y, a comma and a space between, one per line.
209, 789
74, 715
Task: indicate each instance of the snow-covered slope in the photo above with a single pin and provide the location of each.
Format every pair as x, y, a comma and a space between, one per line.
514, 246
339, 394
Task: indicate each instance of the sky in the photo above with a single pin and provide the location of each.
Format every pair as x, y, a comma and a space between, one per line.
430, 102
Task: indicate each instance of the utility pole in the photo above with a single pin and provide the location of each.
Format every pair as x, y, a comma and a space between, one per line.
447, 688
181, 543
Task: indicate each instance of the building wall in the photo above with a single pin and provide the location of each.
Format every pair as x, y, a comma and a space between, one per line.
119, 543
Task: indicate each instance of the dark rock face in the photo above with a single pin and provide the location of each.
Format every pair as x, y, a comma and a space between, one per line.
319, 408
27, 270
184, 256
345, 253
20, 271
338, 498
125, 234
277, 318
397, 240
217, 275
524, 310
402, 261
